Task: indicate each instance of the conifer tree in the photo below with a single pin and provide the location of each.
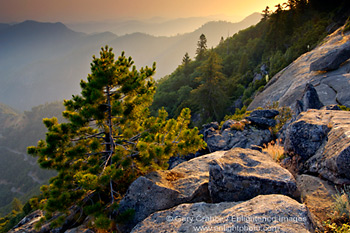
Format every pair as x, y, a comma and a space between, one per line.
186, 59
266, 13
201, 47
109, 140
210, 94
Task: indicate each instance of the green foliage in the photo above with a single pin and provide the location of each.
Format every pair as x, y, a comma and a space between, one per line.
340, 219
344, 108
210, 94
342, 205
333, 227
347, 25
16, 205
201, 47
239, 115
285, 114
125, 216
102, 222
18, 212
108, 140
281, 37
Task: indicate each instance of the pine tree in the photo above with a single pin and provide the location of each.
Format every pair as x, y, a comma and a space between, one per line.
186, 59
266, 13
109, 140
201, 47
210, 94
16, 205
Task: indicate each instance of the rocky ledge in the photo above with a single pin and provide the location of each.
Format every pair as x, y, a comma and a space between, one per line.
236, 175
321, 141
265, 213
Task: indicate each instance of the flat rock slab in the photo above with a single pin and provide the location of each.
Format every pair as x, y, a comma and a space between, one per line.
265, 213
322, 139
185, 183
242, 174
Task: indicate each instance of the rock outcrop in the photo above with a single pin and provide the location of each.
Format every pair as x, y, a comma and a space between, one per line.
234, 175
265, 213
332, 59
263, 118
242, 174
231, 138
81, 229
252, 131
322, 140
160, 190
332, 84
310, 100
316, 194
306, 135
27, 224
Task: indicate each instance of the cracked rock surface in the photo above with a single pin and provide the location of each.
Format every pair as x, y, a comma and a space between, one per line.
322, 140
242, 174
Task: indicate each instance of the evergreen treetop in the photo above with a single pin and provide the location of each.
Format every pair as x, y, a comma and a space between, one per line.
201, 47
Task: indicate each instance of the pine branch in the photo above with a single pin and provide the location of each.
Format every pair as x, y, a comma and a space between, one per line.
106, 162
111, 187
182, 125
136, 137
87, 137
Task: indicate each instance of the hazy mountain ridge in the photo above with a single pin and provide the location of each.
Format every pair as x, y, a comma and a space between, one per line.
155, 26
8, 118
44, 62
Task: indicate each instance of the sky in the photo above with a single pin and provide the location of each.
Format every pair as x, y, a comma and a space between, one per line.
70, 11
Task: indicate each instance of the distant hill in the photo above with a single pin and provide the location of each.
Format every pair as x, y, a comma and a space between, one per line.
44, 62
155, 26
20, 175
8, 118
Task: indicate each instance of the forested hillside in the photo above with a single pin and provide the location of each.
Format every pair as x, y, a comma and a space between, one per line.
224, 78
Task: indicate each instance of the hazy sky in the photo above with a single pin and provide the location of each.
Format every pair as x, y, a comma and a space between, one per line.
98, 10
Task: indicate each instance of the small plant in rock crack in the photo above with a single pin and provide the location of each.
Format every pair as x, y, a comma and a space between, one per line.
339, 221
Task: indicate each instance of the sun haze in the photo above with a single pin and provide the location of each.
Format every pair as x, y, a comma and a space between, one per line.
92, 10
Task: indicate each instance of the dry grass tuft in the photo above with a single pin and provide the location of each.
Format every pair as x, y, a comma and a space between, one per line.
240, 125
275, 150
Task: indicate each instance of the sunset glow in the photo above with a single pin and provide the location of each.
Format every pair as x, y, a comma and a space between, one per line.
92, 10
